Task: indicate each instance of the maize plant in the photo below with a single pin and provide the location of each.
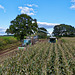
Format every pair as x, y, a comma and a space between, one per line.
43, 58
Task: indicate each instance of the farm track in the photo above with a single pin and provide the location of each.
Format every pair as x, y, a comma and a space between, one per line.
8, 50
8, 53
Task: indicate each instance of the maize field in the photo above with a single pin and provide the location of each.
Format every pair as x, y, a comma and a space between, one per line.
43, 58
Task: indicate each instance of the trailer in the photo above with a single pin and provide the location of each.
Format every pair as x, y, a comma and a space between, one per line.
52, 39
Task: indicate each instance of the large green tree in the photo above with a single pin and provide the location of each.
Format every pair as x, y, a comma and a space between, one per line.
23, 25
64, 30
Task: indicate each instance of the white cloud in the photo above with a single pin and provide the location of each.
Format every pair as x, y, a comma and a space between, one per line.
46, 25
72, 0
1, 7
27, 10
31, 5
50, 32
2, 30
73, 6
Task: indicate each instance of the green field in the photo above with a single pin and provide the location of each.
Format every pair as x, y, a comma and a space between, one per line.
6, 36
43, 58
8, 39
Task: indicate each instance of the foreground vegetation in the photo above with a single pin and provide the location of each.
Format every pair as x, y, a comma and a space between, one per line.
43, 59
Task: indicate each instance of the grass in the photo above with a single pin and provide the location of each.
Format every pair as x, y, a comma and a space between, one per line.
5, 40
8, 39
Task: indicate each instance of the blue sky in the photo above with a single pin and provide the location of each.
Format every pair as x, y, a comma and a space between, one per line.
47, 12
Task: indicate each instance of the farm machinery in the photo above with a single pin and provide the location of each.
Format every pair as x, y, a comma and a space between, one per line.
25, 42
52, 39
34, 39
28, 41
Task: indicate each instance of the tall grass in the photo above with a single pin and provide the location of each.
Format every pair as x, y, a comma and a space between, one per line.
7, 40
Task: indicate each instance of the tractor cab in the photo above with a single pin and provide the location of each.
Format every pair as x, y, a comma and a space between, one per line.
26, 42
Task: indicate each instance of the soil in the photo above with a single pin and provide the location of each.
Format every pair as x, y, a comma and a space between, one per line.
8, 53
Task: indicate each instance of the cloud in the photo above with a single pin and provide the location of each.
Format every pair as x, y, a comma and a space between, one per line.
50, 32
1, 7
27, 10
72, 0
73, 6
2, 31
46, 25
31, 5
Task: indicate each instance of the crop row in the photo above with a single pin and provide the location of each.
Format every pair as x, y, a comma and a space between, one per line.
42, 58
69, 57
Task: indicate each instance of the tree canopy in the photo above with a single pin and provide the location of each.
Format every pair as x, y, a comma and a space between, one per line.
64, 30
42, 33
23, 25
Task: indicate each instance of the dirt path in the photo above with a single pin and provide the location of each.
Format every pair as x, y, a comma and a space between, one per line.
8, 50
8, 53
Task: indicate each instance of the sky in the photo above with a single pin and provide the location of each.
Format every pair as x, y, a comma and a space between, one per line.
47, 12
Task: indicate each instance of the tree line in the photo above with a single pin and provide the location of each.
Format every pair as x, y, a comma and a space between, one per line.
24, 25
64, 30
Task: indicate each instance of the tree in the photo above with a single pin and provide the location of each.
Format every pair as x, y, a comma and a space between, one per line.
23, 25
42, 33
7, 31
64, 30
